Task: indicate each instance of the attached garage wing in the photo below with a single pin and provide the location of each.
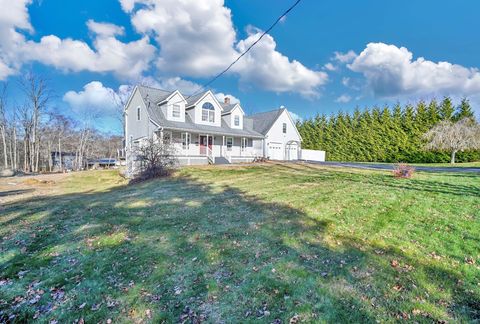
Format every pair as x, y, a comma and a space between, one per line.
275, 151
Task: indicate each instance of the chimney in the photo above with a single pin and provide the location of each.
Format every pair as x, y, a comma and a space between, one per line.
227, 100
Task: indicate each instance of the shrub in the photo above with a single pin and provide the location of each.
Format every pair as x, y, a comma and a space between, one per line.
153, 159
403, 171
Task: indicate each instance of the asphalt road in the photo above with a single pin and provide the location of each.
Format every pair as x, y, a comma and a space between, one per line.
390, 167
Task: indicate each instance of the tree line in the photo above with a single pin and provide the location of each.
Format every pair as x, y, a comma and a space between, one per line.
30, 132
388, 134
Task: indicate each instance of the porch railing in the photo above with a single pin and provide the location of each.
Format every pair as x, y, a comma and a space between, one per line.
210, 156
226, 154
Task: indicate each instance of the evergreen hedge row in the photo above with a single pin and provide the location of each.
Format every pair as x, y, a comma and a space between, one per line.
384, 134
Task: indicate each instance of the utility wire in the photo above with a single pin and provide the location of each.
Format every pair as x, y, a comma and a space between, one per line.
246, 51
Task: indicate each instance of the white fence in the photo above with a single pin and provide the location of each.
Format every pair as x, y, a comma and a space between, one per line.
312, 155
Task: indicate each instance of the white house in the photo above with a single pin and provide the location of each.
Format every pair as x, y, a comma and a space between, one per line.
204, 130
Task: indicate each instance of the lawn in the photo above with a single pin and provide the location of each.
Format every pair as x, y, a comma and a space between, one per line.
264, 243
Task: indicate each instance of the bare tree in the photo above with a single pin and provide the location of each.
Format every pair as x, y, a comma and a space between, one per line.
152, 158
120, 99
454, 137
37, 96
3, 123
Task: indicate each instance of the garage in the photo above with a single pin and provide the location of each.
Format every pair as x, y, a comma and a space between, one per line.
275, 151
291, 150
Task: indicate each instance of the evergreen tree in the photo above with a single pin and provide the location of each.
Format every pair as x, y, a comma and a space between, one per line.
464, 110
433, 113
384, 135
447, 109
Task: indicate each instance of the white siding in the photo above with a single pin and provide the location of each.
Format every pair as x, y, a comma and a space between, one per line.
137, 128
236, 112
276, 140
168, 110
198, 111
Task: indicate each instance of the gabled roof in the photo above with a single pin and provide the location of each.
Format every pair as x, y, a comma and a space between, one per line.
152, 97
192, 100
227, 108
153, 94
262, 122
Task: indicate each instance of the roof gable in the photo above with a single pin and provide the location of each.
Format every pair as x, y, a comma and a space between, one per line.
194, 100
230, 108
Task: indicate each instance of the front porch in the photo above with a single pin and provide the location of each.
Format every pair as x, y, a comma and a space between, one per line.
203, 148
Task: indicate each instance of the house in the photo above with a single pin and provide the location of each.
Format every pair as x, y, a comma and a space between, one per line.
63, 160
204, 130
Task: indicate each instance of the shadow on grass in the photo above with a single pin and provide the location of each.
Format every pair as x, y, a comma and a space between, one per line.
14, 192
182, 250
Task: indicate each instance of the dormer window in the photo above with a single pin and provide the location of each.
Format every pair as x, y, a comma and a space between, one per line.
236, 120
176, 111
208, 112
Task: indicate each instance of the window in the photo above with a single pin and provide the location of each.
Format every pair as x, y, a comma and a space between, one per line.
167, 137
176, 111
236, 120
284, 128
244, 143
131, 141
208, 112
138, 113
229, 143
186, 141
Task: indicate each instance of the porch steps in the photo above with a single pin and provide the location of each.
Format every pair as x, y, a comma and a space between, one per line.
221, 160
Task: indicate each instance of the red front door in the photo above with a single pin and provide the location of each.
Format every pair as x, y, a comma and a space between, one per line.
203, 144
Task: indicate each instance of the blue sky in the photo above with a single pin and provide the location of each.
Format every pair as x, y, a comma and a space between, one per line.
324, 57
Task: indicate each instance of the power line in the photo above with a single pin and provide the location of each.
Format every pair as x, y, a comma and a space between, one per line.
247, 50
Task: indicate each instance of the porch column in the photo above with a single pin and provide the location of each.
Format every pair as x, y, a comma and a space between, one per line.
187, 146
223, 145
199, 144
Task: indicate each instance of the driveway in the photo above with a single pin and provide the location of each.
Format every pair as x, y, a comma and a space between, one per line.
390, 167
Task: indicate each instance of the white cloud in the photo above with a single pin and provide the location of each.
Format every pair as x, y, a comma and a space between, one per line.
265, 67
104, 29
391, 71
345, 57
197, 39
127, 60
330, 67
184, 86
344, 98
94, 96
221, 97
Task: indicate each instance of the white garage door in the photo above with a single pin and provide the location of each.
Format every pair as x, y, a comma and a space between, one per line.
275, 151
292, 152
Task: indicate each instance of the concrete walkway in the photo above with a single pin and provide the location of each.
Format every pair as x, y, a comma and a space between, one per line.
376, 166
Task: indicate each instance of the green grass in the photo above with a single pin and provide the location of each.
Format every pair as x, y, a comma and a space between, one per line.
449, 165
443, 165
246, 244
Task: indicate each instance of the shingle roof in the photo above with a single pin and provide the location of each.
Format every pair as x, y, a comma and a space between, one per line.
227, 108
193, 99
262, 122
152, 97
153, 94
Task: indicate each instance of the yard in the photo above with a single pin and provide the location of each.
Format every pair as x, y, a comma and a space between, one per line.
265, 243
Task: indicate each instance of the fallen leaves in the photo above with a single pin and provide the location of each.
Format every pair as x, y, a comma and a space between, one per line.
469, 260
